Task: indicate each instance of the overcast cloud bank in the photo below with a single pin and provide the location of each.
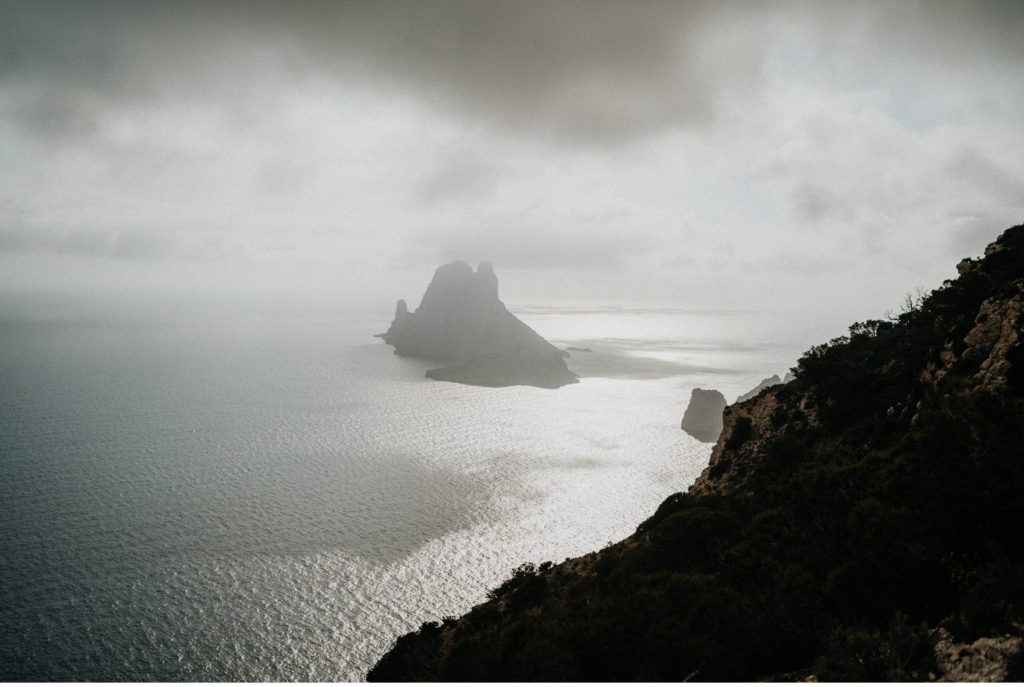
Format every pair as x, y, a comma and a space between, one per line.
770, 155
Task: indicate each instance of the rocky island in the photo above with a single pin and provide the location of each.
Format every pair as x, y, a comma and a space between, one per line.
463, 325
702, 419
862, 521
765, 383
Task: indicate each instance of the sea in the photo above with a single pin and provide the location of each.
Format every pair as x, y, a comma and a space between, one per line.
279, 496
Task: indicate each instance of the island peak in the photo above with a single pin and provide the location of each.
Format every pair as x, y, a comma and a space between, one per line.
462, 323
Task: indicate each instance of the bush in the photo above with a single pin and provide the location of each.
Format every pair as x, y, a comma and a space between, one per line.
742, 430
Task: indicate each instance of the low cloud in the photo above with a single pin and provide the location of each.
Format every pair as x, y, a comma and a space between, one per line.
526, 247
704, 154
461, 178
131, 244
794, 263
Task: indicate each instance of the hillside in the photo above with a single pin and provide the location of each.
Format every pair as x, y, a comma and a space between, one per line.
863, 521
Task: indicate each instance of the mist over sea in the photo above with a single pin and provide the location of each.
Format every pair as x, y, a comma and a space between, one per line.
280, 497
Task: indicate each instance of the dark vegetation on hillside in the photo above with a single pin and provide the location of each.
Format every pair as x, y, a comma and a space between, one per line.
883, 502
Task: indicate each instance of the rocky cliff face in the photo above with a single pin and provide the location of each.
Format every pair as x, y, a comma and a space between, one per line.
963, 341
861, 522
462, 323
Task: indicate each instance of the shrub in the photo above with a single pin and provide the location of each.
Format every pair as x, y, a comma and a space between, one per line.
742, 430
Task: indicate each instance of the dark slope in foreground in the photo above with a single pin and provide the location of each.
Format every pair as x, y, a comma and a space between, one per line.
863, 521
462, 324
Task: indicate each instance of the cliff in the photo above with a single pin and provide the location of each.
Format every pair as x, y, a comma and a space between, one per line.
462, 324
863, 521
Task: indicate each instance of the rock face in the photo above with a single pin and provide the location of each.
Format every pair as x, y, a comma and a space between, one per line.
765, 383
988, 659
703, 417
462, 323
862, 522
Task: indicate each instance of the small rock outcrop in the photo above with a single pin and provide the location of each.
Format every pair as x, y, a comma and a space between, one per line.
703, 417
765, 383
987, 659
463, 324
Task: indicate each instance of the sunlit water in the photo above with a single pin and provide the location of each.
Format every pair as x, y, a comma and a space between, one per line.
280, 499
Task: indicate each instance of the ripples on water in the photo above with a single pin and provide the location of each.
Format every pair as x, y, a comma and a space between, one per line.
281, 500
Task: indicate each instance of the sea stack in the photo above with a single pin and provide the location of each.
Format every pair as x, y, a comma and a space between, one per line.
703, 417
462, 324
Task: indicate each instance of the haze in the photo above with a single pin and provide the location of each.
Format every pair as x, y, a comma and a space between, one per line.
814, 160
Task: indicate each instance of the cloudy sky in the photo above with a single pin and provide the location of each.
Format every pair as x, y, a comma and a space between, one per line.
819, 160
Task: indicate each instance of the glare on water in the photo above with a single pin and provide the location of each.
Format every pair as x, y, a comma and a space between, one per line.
281, 500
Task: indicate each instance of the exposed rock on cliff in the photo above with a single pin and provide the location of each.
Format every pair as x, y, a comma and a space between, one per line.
988, 659
462, 323
862, 522
702, 419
